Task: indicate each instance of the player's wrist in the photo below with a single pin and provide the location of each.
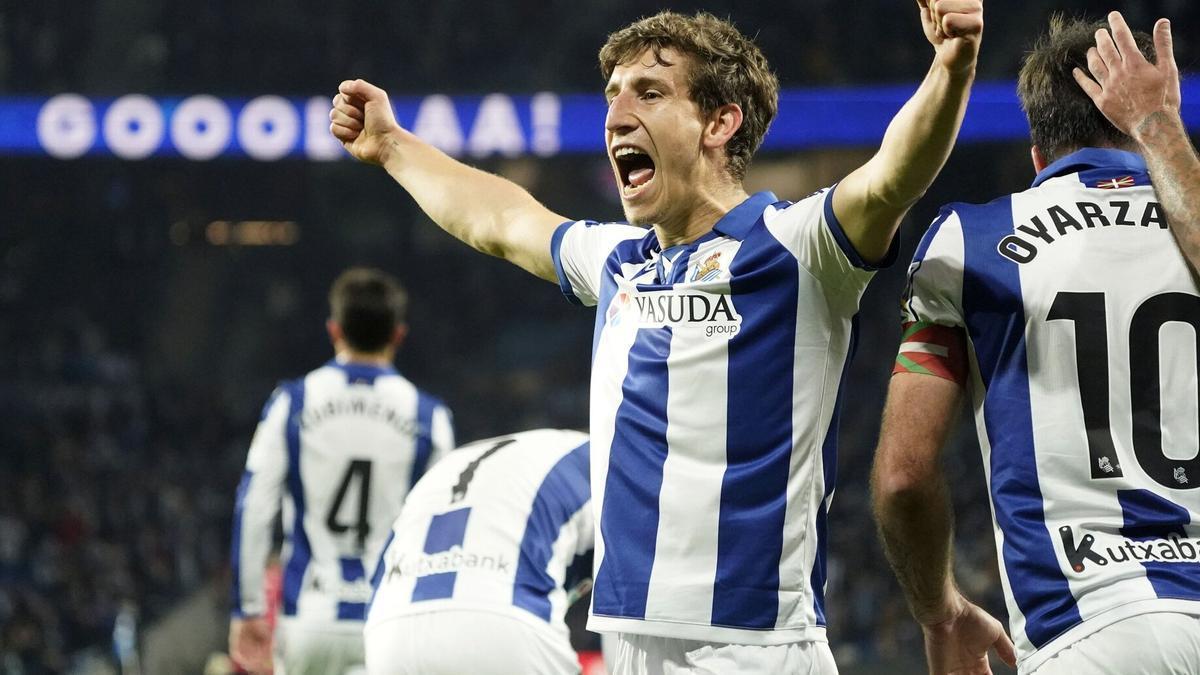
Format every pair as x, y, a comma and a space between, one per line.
1162, 125
941, 615
391, 146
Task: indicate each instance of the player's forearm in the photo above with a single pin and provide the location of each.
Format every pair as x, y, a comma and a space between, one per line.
476, 207
919, 139
1175, 170
916, 525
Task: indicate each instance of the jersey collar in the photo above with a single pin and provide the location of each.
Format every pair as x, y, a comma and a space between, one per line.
737, 223
361, 372
1092, 158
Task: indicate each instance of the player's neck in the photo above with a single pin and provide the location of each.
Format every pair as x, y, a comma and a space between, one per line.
708, 206
381, 359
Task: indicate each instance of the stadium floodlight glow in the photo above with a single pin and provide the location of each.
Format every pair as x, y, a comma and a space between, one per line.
133, 126
201, 127
268, 128
66, 126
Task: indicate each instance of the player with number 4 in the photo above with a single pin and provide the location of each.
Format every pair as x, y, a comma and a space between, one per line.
339, 449
1070, 313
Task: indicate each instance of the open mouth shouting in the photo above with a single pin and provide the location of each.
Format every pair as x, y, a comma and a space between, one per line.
635, 169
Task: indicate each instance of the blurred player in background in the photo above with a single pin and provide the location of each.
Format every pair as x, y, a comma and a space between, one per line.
724, 324
1071, 315
491, 548
339, 449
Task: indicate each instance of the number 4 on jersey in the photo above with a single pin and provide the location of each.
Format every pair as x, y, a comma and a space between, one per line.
359, 469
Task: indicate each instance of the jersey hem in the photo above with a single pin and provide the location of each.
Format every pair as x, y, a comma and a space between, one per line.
1101, 621
435, 607
706, 632
331, 626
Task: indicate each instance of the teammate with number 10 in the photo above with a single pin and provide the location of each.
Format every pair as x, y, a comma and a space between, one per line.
339, 449
1070, 313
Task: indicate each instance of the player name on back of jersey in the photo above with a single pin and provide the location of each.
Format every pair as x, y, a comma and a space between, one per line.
1060, 220
360, 406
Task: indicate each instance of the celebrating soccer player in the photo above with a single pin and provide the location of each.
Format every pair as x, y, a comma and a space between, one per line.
1071, 316
724, 326
339, 449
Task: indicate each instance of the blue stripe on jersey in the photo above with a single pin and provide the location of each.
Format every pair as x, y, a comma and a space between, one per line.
758, 445
239, 510
564, 282
446, 530
629, 514
293, 573
829, 465
563, 492
426, 405
843, 241
994, 310
352, 570
1150, 517
380, 565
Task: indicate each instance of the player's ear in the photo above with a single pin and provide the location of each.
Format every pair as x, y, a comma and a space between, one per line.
1039, 160
399, 334
334, 330
722, 124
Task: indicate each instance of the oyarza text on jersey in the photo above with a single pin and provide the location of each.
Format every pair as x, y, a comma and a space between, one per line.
1058, 221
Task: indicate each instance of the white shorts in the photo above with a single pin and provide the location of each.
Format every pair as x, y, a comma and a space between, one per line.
1162, 643
458, 641
308, 649
650, 655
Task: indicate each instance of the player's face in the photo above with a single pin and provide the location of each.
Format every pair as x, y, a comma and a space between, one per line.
653, 131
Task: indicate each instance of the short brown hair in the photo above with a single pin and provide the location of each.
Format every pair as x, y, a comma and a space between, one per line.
1062, 118
726, 67
368, 304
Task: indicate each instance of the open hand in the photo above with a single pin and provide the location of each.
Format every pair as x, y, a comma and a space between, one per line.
954, 28
362, 119
1124, 85
250, 644
959, 645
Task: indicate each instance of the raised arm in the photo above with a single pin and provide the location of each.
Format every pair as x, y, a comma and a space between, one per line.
489, 213
916, 523
871, 201
1142, 100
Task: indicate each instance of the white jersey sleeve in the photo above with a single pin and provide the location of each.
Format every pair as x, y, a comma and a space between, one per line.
810, 230
580, 250
257, 506
935, 277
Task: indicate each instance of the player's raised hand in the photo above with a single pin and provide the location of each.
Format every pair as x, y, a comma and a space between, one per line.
1124, 85
362, 118
955, 29
250, 644
960, 644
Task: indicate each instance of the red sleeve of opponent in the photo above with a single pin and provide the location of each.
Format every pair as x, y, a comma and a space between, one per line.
933, 349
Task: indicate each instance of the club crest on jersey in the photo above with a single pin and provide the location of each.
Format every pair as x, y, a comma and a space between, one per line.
712, 314
709, 270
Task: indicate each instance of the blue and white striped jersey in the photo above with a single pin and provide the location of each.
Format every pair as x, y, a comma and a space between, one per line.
339, 449
1082, 318
502, 525
715, 377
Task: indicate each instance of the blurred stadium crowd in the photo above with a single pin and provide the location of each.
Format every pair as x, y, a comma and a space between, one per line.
135, 353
